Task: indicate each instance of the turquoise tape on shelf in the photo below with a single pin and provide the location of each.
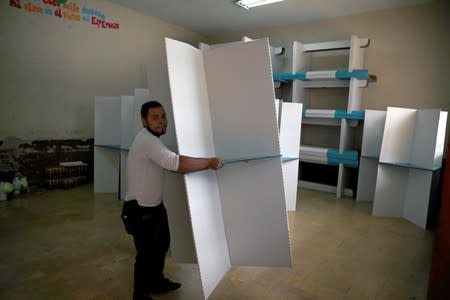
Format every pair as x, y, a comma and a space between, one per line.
352, 164
304, 112
280, 76
362, 74
343, 74
346, 155
354, 115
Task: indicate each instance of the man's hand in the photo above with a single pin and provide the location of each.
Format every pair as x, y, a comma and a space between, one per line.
215, 163
191, 164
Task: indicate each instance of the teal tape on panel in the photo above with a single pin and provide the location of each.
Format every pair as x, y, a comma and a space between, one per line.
414, 166
241, 159
304, 113
285, 158
117, 147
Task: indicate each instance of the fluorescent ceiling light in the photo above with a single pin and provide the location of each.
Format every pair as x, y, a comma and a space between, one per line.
253, 3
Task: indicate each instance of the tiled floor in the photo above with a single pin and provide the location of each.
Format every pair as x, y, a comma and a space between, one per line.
71, 245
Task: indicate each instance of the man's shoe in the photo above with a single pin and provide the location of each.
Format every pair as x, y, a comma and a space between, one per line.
164, 286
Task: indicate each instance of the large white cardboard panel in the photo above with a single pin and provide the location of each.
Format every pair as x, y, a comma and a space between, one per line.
242, 112
398, 136
367, 179
373, 133
194, 137
290, 129
278, 104
127, 116
440, 139
190, 99
390, 191
140, 97
290, 180
425, 134
254, 213
182, 247
107, 125
207, 224
418, 197
106, 170
174, 193
123, 174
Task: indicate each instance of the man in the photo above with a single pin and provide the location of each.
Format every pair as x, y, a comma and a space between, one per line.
143, 213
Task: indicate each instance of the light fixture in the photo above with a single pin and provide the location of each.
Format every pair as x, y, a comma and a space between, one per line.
253, 3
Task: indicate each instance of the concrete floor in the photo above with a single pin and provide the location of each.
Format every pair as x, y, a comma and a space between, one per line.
71, 245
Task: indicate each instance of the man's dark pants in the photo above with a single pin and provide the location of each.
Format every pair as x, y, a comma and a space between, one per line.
150, 229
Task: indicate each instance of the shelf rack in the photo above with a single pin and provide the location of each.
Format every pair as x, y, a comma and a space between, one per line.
355, 78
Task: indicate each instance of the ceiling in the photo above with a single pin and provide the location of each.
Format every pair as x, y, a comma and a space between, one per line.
220, 16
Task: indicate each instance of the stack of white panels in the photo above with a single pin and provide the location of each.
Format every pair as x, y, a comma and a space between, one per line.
107, 140
412, 148
290, 133
370, 154
236, 220
127, 136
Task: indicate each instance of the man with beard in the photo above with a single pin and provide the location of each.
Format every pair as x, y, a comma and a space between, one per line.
143, 213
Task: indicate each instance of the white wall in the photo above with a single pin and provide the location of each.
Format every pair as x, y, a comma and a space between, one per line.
51, 68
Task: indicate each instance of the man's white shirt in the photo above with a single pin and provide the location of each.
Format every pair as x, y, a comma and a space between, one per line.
147, 159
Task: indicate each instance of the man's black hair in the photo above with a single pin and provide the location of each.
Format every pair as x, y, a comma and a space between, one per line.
147, 105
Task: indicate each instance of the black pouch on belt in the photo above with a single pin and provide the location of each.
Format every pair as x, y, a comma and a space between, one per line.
130, 216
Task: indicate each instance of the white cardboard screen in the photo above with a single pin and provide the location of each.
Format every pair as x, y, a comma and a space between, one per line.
260, 226
290, 133
290, 129
123, 174
373, 133
398, 135
440, 140
237, 102
290, 180
140, 97
194, 138
424, 146
107, 125
367, 179
392, 183
254, 213
106, 170
417, 197
127, 116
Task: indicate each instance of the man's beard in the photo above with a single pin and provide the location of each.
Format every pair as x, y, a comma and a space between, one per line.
157, 134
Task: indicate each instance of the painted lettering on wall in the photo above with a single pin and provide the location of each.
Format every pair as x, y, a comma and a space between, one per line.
66, 10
